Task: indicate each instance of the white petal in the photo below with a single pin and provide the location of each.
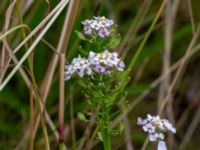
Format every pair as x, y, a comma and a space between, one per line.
140, 121
162, 145
152, 137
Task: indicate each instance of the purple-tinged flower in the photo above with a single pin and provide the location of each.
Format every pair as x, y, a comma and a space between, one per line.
103, 32
140, 121
87, 30
100, 69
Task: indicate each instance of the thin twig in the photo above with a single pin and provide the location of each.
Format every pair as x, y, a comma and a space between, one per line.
154, 84
129, 145
180, 70
193, 125
191, 16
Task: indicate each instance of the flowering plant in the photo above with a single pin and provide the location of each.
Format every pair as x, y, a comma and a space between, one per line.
96, 70
156, 127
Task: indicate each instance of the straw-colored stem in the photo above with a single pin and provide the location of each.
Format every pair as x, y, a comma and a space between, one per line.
11, 74
144, 146
61, 99
12, 30
123, 83
153, 85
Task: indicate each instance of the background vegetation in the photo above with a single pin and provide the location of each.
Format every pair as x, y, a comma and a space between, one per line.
164, 79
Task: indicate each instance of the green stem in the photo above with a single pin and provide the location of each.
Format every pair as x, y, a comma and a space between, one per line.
131, 66
105, 128
62, 146
144, 146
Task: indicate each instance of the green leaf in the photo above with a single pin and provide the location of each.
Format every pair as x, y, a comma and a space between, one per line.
137, 89
7, 128
121, 127
81, 36
114, 41
82, 82
81, 116
10, 98
81, 50
99, 136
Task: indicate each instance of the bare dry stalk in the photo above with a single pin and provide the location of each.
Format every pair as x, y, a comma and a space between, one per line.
167, 52
61, 99
180, 71
129, 144
27, 6
154, 84
144, 146
86, 135
68, 24
70, 17
191, 16
171, 10
72, 123
45, 86
169, 23
192, 127
30, 62
13, 71
27, 80
4, 61
190, 131
31, 143
41, 25
137, 22
184, 116
62, 46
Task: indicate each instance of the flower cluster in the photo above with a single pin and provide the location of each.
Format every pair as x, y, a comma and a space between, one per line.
155, 127
105, 62
100, 63
99, 25
79, 66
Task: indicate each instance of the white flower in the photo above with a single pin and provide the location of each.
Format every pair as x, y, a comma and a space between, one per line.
155, 127
100, 63
156, 137
149, 128
105, 62
140, 121
79, 66
121, 65
153, 118
86, 22
169, 126
95, 25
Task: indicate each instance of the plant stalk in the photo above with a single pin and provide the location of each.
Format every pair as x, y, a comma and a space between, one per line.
61, 100
105, 128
